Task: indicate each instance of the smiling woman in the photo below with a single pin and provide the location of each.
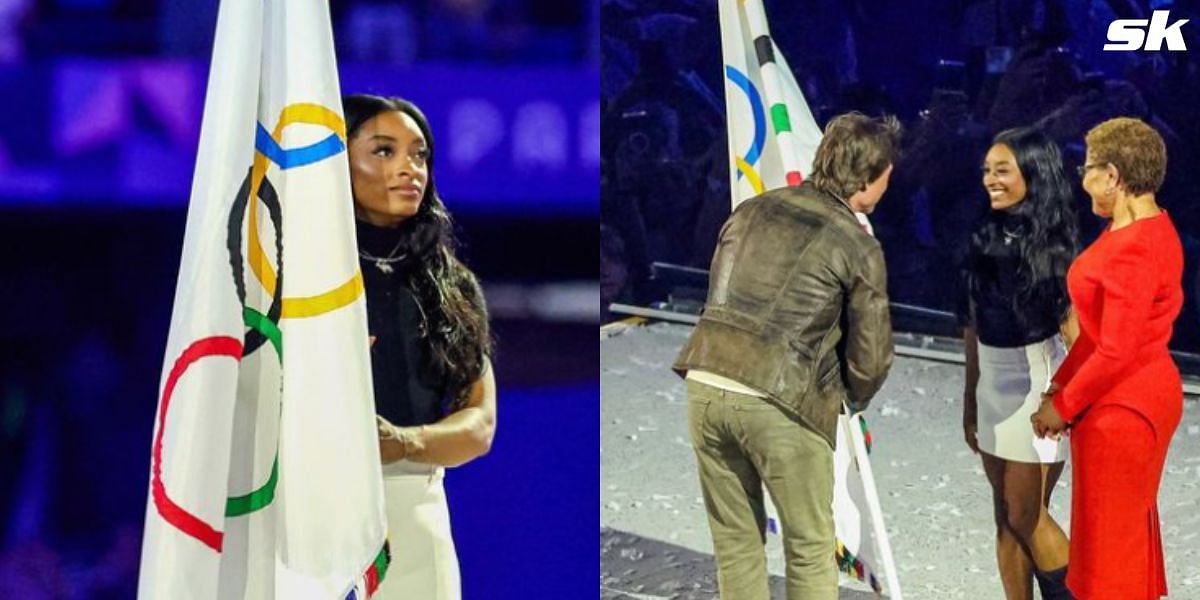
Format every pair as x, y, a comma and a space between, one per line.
1014, 303
389, 168
435, 394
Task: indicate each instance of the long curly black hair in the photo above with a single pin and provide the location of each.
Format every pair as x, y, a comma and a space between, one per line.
1045, 224
454, 313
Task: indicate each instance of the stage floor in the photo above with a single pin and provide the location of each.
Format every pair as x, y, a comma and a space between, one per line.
654, 540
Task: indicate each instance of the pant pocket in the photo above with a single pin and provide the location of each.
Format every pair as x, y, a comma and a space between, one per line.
700, 398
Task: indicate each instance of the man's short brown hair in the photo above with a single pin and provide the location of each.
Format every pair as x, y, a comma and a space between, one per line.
1134, 148
854, 151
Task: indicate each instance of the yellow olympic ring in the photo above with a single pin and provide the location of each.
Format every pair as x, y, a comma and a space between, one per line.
310, 306
745, 169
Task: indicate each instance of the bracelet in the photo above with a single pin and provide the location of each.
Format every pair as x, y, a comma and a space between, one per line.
408, 439
386, 430
418, 440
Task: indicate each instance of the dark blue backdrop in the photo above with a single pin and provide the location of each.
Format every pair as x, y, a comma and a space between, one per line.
522, 515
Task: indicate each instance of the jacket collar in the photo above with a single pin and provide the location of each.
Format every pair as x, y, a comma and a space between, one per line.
837, 202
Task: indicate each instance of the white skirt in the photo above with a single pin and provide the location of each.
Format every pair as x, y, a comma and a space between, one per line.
424, 564
1011, 382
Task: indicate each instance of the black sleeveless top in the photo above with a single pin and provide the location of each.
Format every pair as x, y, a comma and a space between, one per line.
394, 316
990, 282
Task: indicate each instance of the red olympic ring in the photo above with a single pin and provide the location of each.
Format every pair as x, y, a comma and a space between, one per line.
173, 513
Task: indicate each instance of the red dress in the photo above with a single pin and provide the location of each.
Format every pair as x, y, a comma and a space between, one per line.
1122, 394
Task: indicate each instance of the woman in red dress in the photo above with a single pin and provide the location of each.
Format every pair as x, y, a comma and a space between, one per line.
1118, 389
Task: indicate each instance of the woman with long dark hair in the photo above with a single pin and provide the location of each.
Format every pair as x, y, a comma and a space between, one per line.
435, 394
1015, 304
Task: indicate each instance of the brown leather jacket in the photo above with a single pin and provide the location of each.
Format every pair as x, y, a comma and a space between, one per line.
797, 307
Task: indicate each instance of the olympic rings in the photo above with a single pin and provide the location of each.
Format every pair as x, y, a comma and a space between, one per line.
262, 327
751, 175
236, 506
268, 149
174, 514
756, 108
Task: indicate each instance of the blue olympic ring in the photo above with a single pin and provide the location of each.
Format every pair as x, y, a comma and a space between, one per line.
296, 157
756, 106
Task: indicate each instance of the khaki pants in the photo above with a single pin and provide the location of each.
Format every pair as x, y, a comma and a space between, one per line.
742, 442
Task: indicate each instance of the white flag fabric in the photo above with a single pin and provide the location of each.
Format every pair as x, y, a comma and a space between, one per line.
864, 551
772, 133
773, 138
265, 473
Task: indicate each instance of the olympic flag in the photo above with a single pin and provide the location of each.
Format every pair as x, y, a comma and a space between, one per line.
265, 475
772, 133
773, 138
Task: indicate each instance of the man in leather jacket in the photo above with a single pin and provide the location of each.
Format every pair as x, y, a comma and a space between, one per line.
795, 325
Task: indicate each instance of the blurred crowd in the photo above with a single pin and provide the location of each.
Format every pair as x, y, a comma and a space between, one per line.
75, 387
392, 31
664, 184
